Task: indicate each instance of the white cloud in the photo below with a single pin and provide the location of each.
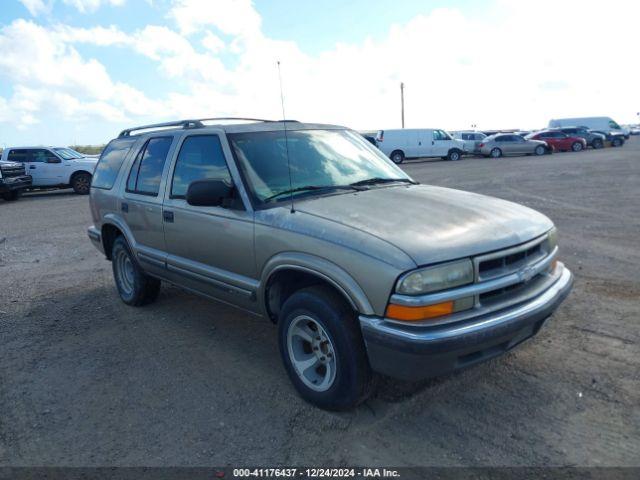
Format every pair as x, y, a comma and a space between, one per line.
231, 17
87, 6
36, 7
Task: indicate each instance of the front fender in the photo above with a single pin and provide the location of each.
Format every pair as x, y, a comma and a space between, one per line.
324, 269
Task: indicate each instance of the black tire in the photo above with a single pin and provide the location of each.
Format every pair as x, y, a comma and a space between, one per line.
12, 195
495, 153
81, 183
577, 147
136, 288
616, 142
540, 150
352, 382
597, 143
397, 157
454, 155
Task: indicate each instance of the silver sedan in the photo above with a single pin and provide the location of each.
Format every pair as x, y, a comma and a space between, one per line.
511, 144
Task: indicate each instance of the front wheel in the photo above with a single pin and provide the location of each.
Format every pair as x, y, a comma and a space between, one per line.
616, 142
134, 286
576, 147
597, 143
11, 196
322, 349
540, 150
81, 183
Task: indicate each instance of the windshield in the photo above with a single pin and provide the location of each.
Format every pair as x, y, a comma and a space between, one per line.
319, 158
67, 153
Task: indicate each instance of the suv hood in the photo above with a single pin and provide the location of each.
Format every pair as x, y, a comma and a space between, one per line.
432, 224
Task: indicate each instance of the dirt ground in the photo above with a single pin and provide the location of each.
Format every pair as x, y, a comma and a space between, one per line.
88, 381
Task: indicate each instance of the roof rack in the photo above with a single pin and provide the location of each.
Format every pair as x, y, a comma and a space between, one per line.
194, 123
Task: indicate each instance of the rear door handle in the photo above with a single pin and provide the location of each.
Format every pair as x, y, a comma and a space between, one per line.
168, 216
124, 207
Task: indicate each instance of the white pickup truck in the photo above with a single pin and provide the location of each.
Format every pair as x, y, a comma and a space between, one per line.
54, 167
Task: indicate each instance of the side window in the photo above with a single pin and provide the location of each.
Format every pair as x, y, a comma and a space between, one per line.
501, 138
18, 156
41, 155
110, 162
146, 172
614, 125
201, 157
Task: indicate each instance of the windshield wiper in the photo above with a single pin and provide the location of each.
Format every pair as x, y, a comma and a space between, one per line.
376, 180
309, 188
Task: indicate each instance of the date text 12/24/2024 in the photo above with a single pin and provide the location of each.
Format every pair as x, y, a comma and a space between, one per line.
315, 473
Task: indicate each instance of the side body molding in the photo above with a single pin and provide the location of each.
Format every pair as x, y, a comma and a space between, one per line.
320, 267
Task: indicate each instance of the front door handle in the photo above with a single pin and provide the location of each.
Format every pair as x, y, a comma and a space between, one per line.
168, 216
124, 207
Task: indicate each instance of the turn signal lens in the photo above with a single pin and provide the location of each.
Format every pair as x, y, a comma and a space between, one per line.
415, 314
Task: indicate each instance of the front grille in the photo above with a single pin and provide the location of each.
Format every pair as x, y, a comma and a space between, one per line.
514, 260
511, 260
12, 170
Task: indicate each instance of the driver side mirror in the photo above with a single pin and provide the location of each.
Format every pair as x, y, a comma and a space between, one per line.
53, 160
209, 193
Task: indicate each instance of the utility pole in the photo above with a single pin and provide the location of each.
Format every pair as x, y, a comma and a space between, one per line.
402, 102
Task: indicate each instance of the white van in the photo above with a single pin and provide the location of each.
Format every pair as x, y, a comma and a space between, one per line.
399, 144
602, 124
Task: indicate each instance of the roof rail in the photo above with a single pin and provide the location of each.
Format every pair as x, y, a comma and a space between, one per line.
194, 123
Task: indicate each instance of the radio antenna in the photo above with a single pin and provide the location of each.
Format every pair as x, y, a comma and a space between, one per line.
286, 139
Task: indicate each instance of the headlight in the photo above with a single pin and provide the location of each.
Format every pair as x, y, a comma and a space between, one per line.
439, 277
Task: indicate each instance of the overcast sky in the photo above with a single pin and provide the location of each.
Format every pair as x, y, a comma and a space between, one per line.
78, 71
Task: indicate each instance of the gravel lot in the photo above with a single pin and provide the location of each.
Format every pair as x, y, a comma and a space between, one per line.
86, 380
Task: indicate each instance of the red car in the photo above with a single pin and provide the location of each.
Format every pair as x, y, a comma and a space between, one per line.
559, 141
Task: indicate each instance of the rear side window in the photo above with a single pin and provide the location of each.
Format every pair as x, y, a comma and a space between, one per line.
110, 162
201, 157
146, 172
18, 156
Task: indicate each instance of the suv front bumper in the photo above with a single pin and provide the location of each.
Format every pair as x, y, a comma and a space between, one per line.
415, 353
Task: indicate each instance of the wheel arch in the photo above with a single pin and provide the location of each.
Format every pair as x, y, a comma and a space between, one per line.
111, 228
78, 172
287, 273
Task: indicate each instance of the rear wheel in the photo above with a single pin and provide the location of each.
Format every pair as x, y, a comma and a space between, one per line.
81, 183
322, 349
134, 286
12, 195
496, 153
539, 150
397, 157
576, 147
